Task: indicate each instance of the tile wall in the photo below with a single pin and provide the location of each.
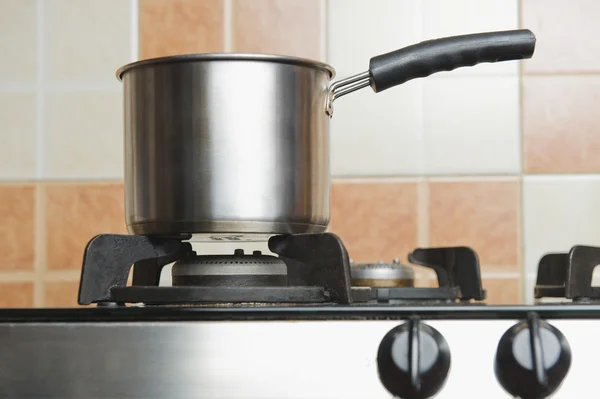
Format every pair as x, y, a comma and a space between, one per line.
499, 157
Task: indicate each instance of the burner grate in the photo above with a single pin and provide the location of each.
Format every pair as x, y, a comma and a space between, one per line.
317, 271
568, 275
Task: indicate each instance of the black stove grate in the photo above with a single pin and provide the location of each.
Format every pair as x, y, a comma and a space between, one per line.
318, 271
568, 275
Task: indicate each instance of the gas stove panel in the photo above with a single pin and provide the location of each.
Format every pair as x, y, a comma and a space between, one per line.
252, 359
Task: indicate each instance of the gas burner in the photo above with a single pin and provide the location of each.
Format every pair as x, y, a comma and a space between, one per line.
568, 275
456, 268
382, 275
237, 270
309, 269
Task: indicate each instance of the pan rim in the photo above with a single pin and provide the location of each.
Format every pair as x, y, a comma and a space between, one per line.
281, 59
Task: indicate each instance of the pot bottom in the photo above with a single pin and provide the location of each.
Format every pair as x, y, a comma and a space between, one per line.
219, 230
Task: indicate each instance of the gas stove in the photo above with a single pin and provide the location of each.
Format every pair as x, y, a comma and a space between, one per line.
303, 322
309, 269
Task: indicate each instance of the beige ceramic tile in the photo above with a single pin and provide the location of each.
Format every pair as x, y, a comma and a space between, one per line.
61, 294
17, 221
289, 27
502, 291
16, 295
75, 214
567, 33
84, 135
18, 45
86, 41
482, 215
17, 135
561, 127
180, 27
376, 221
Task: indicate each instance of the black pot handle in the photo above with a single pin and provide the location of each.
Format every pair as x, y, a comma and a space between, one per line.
426, 58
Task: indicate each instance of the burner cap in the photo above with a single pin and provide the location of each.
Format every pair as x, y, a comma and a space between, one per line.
383, 275
230, 270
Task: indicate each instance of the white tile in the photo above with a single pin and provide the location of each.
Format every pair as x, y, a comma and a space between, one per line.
377, 134
358, 30
86, 41
471, 125
83, 135
443, 18
17, 135
558, 213
528, 298
18, 45
374, 134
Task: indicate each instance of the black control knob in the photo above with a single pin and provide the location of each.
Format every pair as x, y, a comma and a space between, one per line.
413, 361
532, 359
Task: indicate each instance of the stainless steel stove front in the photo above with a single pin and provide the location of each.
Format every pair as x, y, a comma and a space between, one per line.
277, 359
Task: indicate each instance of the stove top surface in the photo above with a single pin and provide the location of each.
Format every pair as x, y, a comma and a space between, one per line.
306, 269
308, 312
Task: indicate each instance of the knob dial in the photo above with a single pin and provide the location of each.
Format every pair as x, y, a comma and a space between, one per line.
413, 361
532, 359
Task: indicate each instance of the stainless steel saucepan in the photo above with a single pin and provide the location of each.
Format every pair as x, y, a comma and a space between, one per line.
239, 143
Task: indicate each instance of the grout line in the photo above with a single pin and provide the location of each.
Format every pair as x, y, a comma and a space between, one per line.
420, 10
561, 73
563, 176
71, 86
74, 181
40, 246
416, 178
62, 275
323, 26
339, 179
521, 227
18, 87
523, 161
16, 277
391, 179
500, 275
423, 214
39, 232
40, 90
521, 142
227, 26
474, 178
458, 176
135, 43
421, 129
